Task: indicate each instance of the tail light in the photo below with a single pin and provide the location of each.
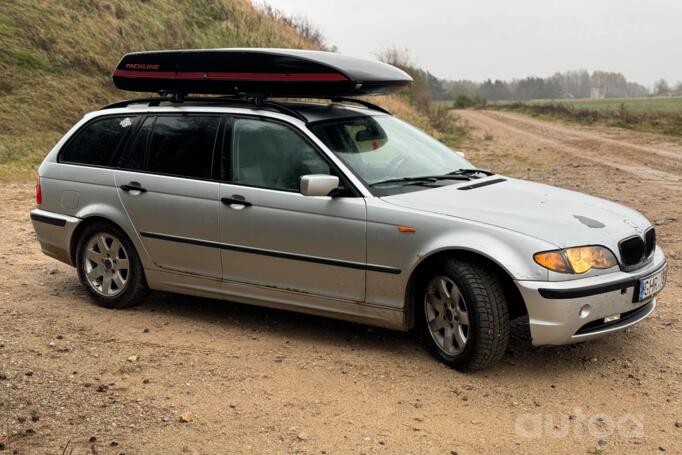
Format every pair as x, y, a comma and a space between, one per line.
39, 193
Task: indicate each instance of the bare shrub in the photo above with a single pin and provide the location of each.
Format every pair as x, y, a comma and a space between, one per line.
301, 24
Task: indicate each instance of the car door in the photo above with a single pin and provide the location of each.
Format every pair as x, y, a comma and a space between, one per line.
274, 236
165, 183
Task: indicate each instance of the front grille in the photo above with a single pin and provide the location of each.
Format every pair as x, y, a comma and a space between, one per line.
635, 250
632, 250
650, 242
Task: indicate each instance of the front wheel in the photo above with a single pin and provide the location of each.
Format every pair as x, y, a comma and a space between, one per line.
109, 268
463, 315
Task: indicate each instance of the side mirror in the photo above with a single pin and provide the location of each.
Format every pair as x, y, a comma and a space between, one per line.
318, 184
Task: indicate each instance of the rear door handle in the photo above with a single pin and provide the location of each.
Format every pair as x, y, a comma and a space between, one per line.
133, 186
237, 200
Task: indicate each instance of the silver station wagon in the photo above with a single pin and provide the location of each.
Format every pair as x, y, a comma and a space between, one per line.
332, 208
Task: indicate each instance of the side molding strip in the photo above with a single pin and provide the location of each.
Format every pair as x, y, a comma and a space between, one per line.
271, 253
48, 220
587, 291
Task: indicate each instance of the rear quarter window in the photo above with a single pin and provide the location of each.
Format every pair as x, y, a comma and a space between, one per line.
96, 143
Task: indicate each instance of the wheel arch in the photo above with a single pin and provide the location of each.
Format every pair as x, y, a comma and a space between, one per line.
420, 272
140, 285
89, 221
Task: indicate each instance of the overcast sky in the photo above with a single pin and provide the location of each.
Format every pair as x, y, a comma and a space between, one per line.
480, 39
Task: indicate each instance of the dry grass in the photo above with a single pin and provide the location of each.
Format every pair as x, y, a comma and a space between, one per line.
644, 104
56, 57
654, 120
401, 107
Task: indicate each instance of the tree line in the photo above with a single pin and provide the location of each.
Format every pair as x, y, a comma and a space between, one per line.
568, 84
561, 85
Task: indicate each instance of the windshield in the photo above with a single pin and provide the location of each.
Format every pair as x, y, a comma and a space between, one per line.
383, 148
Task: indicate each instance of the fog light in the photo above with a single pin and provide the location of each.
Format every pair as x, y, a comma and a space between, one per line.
615, 317
585, 311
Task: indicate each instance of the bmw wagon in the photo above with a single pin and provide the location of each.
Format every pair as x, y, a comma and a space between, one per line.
337, 209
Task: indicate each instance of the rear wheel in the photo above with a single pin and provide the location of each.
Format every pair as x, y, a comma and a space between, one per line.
109, 268
463, 315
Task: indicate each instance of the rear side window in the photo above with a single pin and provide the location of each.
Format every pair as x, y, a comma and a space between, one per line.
137, 147
96, 143
183, 145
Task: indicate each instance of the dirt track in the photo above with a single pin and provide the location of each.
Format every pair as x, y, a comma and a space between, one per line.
264, 381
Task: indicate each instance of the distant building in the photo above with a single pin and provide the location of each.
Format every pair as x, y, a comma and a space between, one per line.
597, 93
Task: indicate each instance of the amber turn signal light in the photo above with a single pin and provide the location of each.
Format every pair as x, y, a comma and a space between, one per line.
553, 260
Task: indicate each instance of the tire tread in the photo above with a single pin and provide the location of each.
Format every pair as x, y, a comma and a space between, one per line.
487, 297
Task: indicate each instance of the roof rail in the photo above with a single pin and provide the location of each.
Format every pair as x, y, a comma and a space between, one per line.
125, 103
367, 104
285, 110
257, 101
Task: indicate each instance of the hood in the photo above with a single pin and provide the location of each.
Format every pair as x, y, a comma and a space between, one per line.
562, 217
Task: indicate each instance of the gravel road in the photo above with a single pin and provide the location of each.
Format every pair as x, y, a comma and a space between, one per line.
189, 375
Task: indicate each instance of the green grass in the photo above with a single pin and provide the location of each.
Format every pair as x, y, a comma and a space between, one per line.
30, 61
650, 104
651, 115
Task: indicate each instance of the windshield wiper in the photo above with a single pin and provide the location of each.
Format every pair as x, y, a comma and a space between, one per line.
471, 172
422, 179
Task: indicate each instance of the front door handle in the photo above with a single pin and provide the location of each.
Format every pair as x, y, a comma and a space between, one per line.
236, 199
133, 186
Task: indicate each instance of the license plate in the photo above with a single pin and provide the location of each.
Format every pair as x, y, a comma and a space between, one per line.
651, 285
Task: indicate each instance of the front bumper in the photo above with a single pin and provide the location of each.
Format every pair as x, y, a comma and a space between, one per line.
571, 311
54, 232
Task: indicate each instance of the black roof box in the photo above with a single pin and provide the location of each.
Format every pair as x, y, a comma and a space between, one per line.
266, 72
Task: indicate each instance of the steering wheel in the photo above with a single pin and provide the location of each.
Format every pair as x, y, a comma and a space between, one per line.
394, 164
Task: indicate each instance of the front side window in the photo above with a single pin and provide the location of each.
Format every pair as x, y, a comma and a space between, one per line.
183, 145
271, 155
97, 142
384, 148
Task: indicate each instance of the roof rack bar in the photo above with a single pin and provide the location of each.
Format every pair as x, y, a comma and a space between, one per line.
257, 101
173, 99
367, 104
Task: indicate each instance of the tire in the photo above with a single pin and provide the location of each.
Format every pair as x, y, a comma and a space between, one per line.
463, 315
109, 268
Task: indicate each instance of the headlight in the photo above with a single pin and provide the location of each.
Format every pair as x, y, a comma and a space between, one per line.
577, 260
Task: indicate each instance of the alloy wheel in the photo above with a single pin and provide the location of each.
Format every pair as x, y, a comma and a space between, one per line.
447, 315
105, 264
